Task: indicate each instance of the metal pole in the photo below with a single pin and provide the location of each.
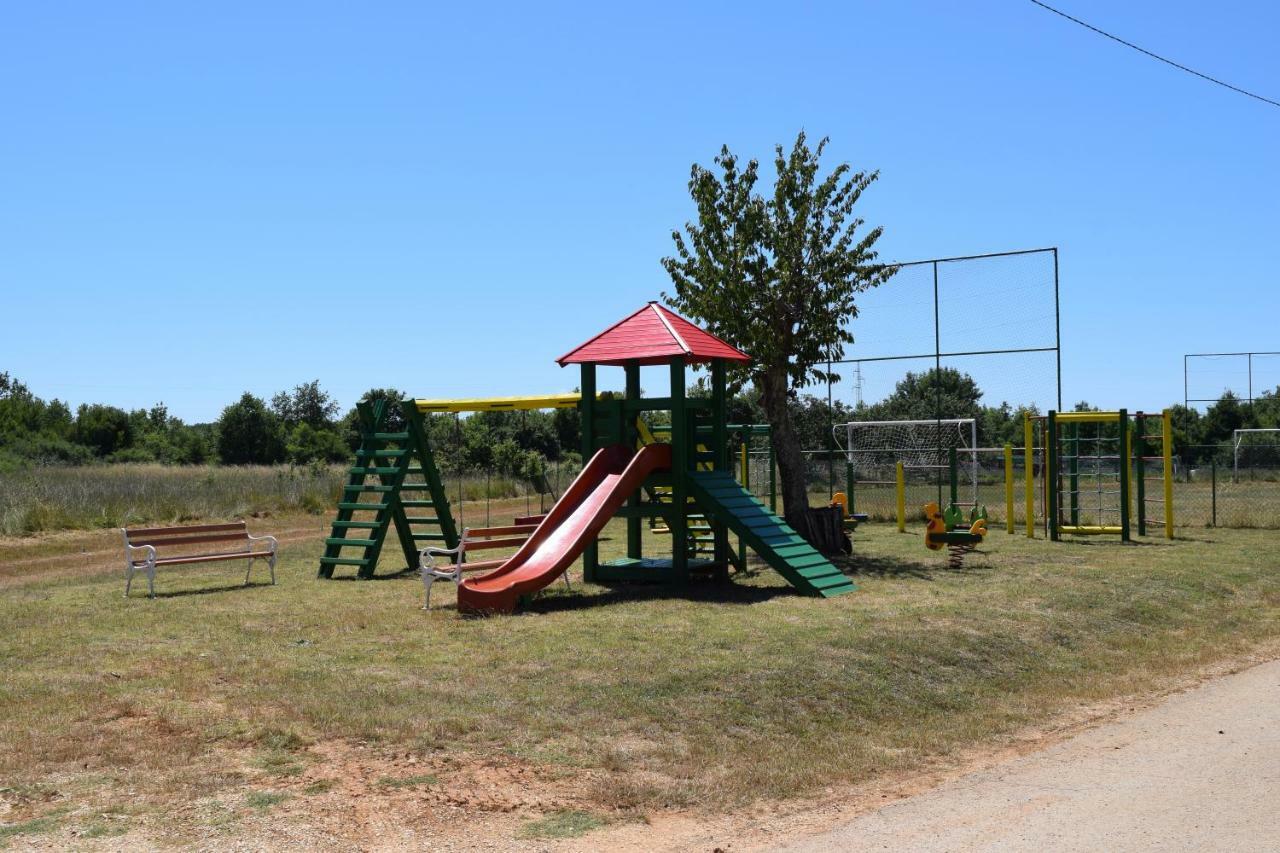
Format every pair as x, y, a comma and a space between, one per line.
937, 372
1057, 327
1213, 491
1051, 478
1126, 460
1008, 488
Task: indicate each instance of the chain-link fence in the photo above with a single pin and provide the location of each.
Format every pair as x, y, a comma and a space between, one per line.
1208, 494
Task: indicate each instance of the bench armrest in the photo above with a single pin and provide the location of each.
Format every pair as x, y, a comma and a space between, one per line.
427, 556
274, 544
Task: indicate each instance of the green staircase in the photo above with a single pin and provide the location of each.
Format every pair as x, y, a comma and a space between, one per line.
726, 501
393, 483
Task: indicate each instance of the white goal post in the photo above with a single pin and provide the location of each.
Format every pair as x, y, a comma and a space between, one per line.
1247, 438
873, 447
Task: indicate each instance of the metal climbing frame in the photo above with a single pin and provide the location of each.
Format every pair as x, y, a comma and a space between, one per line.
1100, 456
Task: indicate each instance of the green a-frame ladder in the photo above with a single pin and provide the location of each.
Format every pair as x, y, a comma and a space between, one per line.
379, 494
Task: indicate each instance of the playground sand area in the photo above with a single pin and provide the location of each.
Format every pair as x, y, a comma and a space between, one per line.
339, 714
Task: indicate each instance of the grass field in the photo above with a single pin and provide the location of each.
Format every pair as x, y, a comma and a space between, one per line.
218, 711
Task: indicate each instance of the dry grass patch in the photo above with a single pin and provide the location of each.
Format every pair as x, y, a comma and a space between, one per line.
599, 701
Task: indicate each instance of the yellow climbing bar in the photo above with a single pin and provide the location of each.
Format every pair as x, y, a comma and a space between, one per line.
1090, 417
500, 404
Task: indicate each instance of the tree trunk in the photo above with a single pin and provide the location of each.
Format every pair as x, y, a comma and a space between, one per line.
786, 445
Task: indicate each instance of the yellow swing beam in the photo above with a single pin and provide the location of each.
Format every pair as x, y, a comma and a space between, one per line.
500, 404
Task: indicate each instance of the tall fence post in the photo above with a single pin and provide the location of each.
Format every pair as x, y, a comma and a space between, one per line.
1213, 492
1008, 488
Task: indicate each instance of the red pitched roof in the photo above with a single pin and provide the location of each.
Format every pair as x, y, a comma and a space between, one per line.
652, 335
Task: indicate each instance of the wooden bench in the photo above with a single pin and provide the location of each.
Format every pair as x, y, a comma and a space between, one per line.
473, 539
142, 547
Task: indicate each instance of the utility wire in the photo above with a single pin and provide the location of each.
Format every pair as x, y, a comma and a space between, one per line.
1156, 56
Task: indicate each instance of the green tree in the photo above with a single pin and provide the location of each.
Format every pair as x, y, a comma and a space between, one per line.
249, 433
931, 393
305, 404
103, 429
777, 277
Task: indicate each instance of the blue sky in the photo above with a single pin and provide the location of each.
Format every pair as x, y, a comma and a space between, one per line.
196, 200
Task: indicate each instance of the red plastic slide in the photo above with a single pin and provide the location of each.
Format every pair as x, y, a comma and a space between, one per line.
611, 477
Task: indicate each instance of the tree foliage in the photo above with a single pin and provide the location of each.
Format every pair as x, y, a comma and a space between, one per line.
777, 276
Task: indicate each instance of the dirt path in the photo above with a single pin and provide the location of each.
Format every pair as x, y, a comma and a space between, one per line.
1200, 771
92, 553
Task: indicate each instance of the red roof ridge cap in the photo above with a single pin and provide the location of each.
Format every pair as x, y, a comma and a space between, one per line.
657, 309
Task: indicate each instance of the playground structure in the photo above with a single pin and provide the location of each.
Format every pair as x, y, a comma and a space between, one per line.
1096, 471
947, 529
687, 479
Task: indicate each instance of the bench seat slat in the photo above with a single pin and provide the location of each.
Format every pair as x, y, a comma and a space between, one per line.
509, 530
487, 544
132, 532
179, 541
205, 558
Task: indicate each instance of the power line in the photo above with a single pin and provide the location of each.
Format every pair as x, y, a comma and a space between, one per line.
1156, 56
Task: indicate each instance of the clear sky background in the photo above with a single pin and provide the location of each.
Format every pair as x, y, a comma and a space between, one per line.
198, 200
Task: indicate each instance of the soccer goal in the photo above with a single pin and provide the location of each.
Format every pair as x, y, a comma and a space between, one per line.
873, 449
1254, 448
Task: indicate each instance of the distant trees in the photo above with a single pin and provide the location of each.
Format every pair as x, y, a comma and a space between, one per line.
302, 426
249, 433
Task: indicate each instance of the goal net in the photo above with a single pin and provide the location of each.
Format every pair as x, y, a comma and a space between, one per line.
873, 449
1255, 450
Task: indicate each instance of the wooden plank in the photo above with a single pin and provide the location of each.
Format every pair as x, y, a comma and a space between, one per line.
190, 528
473, 532
178, 542
208, 558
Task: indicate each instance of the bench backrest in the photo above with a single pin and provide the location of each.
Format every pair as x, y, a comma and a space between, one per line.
184, 537
483, 538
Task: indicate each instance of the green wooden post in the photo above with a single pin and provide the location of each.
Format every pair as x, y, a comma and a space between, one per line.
591, 554
1053, 477
848, 485
1125, 462
773, 477
744, 449
632, 370
679, 523
720, 445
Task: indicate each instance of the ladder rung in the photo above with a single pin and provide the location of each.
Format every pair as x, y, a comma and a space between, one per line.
418, 504
368, 524
377, 470
433, 537
362, 506
343, 561
391, 436
415, 487
389, 454
422, 519
355, 488
413, 469
354, 543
